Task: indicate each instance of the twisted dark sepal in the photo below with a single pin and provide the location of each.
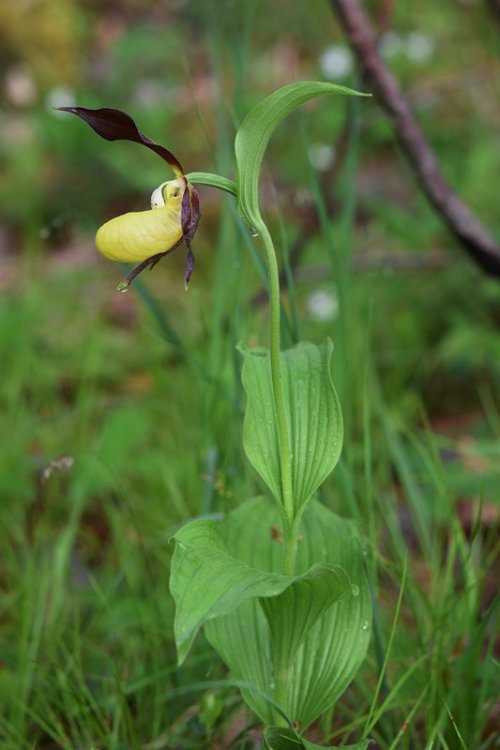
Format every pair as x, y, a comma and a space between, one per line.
190, 217
188, 268
114, 125
190, 213
148, 263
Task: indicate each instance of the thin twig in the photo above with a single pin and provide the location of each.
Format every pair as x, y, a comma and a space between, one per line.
471, 234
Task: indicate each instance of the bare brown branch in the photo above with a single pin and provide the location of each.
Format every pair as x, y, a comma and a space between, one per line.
472, 235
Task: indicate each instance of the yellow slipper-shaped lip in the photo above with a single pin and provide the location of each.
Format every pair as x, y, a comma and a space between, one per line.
136, 236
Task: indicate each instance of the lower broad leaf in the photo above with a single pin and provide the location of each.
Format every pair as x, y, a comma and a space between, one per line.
331, 652
207, 582
292, 614
284, 738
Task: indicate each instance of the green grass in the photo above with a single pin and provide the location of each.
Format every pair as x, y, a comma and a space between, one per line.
143, 392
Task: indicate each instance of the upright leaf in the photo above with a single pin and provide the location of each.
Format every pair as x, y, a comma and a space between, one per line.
313, 413
332, 651
256, 130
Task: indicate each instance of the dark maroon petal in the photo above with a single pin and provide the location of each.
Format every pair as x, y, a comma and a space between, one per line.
148, 263
114, 125
188, 267
190, 213
190, 216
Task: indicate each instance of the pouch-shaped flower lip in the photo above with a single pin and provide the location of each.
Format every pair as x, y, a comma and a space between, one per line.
145, 236
136, 236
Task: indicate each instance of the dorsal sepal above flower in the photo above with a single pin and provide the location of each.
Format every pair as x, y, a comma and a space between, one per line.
115, 125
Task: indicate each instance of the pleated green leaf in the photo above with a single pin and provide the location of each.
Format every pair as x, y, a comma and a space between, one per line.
207, 582
292, 614
313, 414
331, 652
284, 738
256, 130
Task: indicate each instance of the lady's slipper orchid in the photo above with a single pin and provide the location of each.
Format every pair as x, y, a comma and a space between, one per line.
146, 236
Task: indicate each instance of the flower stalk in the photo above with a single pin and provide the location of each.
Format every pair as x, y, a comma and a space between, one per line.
285, 454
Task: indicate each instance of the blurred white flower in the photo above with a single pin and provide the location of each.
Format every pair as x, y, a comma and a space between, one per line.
59, 96
320, 155
391, 45
336, 61
420, 47
150, 93
323, 305
20, 87
416, 46
16, 129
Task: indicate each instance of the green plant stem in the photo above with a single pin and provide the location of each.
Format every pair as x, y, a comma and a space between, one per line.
290, 537
285, 455
290, 540
282, 678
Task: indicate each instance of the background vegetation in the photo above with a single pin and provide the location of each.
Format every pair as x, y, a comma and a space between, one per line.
121, 414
